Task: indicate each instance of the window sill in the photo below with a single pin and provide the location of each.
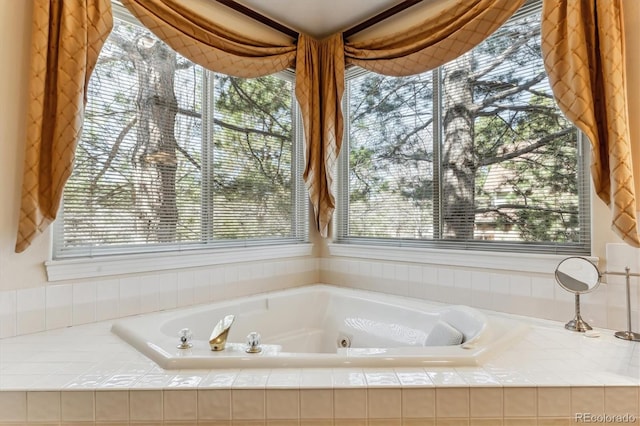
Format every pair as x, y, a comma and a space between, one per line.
58, 270
521, 262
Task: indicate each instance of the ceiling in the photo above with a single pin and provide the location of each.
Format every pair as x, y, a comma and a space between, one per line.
319, 18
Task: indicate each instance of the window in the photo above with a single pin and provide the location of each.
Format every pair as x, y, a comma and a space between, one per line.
173, 156
473, 155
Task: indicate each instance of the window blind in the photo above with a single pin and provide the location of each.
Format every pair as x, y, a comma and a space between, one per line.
473, 155
176, 157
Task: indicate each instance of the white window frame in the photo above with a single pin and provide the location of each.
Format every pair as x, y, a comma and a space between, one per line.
69, 263
532, 257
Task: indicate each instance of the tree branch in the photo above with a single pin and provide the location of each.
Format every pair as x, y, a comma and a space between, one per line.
246, 130
508, 92
530, 148
114, 149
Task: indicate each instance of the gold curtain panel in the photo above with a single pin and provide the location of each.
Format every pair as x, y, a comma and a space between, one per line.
435, 41
68, 35
584, 55
66, 40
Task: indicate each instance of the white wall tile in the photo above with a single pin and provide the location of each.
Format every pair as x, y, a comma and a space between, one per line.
354, 267
462, 279
446, 277
84, 303
543, 287
500, 283
364, 269
415, 274
231, 274
520, 285
149, 293
7, 313
168, 291
185, 288
388, 271
107, 299
202, 283
481, 281
129, 303
402, 272
30, 310
429, 275
59, 306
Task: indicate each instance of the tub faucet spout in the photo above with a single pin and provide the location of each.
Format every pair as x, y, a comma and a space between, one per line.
218, 338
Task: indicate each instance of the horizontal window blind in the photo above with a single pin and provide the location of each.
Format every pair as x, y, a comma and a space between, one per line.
173, 156
473, 155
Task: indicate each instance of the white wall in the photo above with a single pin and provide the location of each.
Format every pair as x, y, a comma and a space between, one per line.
28, 303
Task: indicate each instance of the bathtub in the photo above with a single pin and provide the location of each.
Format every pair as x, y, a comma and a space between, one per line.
321, 326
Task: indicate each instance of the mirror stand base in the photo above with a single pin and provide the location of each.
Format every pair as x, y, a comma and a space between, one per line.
628, 335
577, 324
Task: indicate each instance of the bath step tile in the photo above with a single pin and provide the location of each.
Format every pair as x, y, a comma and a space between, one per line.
43, 406
520, 402
384, 403
180, 405
418, 403
452, 403
145, 405
214, 404
112, 406
350, 403
316, 404
77, 406
283, 404
248, 404
554, 402
621, 400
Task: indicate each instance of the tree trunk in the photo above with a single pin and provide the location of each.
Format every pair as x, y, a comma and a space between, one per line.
458, 163
154, 156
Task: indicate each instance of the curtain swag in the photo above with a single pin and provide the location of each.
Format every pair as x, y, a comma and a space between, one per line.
66, 40
584, 55
59, 77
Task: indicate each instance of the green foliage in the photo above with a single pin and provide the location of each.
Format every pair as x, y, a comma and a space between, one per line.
524, 158
233, 182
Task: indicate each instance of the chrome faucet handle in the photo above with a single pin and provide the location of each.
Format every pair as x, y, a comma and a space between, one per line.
253, 343
185, 336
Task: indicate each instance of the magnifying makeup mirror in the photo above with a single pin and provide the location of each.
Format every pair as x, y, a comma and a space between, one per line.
578, 276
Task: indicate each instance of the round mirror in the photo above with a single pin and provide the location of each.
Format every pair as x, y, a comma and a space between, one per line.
577, 275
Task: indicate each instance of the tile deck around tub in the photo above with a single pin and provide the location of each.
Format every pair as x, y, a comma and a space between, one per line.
549, 372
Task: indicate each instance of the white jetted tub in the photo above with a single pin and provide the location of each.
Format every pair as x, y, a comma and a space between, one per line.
323, 326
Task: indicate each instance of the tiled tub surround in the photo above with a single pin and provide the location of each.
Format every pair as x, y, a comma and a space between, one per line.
85, 301
87, 374
507, 287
